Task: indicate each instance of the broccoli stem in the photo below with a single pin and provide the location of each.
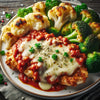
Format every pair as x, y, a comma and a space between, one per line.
87, 20
74, 41
72, 35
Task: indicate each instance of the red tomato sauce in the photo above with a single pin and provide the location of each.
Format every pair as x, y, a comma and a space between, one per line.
24, 63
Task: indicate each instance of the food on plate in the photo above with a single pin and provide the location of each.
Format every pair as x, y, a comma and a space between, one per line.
54, 31
79, 8
37, 21
20, 26
67, 29
93, 62
89, 16
39, 7
46, 58
81, 31
87, 46
24, 11
51, 3
62, 14
95, 27
52, 46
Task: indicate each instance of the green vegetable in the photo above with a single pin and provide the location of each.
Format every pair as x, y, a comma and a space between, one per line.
81, 31
51, 3
65, 54
8, 16
54, 57
24, 11
93, 62
51, 23
79, 8
89, 16
40, 59
2, 52
54, 31
57, 51
1, 79
38, 45
71, 60
32, 50
91, 43
67, 29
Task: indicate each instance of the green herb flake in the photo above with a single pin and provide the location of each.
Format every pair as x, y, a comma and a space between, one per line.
71, 60
40, 59
57, 51
65, 54
38, 45
8, 16
32, 50
1, 79
54, 57
2, 52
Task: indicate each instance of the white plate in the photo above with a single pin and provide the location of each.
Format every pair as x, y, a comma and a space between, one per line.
92, 81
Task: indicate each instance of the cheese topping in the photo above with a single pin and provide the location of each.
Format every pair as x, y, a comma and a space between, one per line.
50, 67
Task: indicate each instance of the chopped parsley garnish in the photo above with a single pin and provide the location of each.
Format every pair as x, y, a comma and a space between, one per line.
71, 60
38, 45
1, 78
32, 50
65, 54
54, 57
2, 52
57, 51
40, 59
8, 16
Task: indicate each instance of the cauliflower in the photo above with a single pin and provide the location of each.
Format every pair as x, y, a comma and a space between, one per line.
19, 27
95, 27
11, 33
9, 39
62, 14
7, 36
39, 7
37, 21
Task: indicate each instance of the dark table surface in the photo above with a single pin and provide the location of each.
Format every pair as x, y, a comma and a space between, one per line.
11, 6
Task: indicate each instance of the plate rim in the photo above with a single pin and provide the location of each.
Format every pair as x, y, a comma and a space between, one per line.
84, 90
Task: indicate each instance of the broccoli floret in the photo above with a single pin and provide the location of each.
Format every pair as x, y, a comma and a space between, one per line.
91, 43
54, 31
24, 11
93, 62
51, 3
89, 16
82, 30
95, 27
67, 29
79, 8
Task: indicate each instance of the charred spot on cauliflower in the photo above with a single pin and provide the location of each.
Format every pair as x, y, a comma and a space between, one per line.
37, 21
19, 27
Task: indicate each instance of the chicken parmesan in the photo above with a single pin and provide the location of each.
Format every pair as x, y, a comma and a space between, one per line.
47, 62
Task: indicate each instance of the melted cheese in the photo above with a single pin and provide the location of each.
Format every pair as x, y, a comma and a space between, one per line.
50, 67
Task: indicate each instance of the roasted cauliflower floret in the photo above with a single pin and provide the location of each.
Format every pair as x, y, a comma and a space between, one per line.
8, 37
39, 7
62, 14
19, 27
37, 21
95, 27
